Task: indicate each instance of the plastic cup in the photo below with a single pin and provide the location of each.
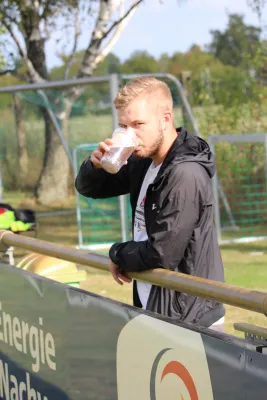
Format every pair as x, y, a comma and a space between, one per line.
124, 143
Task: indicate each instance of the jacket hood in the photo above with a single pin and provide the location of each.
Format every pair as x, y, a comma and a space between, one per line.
189, 148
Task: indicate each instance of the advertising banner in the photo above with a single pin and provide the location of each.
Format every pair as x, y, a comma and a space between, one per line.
58, 342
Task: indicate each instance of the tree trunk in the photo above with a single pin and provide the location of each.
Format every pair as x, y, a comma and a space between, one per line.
23, 159
53, 182
52, 185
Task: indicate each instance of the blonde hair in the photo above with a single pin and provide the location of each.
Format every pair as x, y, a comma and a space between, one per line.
144, 85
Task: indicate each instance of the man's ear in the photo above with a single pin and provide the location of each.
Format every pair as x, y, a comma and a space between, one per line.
167, 117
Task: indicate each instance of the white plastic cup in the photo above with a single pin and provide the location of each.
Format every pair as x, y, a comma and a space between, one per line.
124, 143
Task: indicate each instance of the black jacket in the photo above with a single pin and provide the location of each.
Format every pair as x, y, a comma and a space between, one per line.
179, 222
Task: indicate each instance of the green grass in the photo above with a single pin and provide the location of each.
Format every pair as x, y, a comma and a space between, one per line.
246, 266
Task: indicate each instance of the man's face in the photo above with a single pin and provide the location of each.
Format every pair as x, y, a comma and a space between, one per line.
143, 115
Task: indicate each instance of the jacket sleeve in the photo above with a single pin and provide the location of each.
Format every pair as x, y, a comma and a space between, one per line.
99, 184
170, 232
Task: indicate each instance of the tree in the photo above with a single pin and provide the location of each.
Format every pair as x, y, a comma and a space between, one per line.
163, 63
261, 59
23, 158
18, 72
257, 6
238, 44
35, 20
140, 62
2, 61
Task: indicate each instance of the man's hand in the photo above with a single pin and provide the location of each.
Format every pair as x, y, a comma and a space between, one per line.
117, 275
96, 155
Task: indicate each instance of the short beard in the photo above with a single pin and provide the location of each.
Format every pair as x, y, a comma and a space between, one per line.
156, 146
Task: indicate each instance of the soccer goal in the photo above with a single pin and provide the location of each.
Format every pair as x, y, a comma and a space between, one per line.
240, 187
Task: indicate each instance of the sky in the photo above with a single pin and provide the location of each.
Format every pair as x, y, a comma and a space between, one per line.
169, 26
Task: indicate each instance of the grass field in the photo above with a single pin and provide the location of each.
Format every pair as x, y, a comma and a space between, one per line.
245, 264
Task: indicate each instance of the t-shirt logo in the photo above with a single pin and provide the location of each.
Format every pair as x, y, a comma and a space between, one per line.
139, 220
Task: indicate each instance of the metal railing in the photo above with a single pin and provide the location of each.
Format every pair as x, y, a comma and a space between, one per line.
228, 294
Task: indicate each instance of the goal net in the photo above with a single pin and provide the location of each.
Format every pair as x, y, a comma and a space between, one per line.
240, 187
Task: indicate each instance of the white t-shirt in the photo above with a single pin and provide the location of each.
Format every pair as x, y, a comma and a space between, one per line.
140, 233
